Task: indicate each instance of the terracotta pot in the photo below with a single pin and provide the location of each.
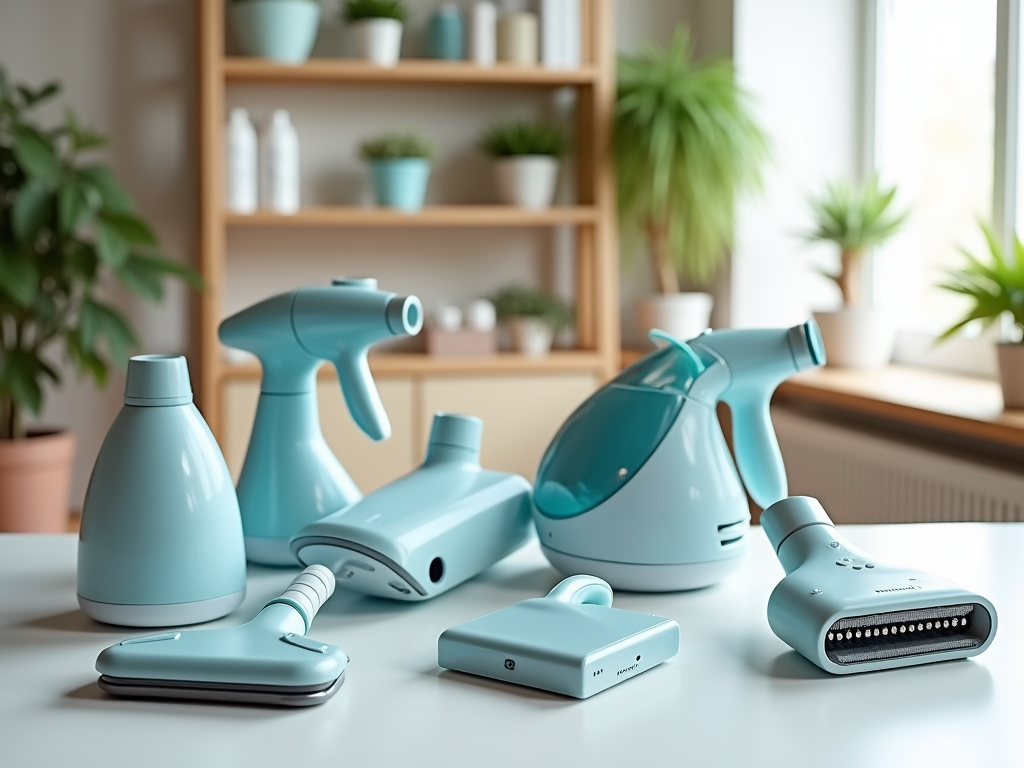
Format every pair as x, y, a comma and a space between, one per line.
35, 483
857, 338
1011, 374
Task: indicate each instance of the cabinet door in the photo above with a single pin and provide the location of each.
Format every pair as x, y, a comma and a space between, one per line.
370, 464
521, 413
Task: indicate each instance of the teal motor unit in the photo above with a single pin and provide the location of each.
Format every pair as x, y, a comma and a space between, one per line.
639, 488
290, 476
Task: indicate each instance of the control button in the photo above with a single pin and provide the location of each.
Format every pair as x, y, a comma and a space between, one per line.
833, 544
841, 562
345, 575
304, 643
400, 588
869, 565
815, 591
358, 564
857, 567
151, 638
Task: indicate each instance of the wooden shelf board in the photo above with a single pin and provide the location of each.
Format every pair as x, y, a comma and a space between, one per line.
418, 363
430, 216
337, 71
952, 404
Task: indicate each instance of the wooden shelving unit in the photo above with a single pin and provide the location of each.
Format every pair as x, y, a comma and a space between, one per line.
593, 216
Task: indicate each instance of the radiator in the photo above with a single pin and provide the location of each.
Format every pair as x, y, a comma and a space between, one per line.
861, 477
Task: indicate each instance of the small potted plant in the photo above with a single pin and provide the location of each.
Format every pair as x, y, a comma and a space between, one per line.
377, 25
68, 233
400, 166
687, 146
280, 30
855, 218
533, 318
526, 158
995, 288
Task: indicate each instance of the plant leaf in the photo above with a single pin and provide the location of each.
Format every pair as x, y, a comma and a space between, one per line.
19, 277
31, 210
35, 154
73, 207
130, 227
20, 376
112, 194
111, 247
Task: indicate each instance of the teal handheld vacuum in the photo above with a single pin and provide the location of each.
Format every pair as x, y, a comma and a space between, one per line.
290, 476
638, 486
848, 612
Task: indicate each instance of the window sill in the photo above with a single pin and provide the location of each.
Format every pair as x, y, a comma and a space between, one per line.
955, 405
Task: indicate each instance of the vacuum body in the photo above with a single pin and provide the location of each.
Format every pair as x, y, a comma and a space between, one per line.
290, 477
430, 530
639, 487
848, 612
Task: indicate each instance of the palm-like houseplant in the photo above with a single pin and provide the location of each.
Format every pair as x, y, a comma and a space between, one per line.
68, 232
686, 146
855, 217
995, 288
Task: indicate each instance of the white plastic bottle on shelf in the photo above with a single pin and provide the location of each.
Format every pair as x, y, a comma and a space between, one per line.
483, 33
279, 185
240, 182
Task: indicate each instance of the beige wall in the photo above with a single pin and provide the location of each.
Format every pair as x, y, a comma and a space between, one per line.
128, 67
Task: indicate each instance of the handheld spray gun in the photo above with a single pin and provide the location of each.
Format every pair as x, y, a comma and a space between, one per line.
290, 476
638, 487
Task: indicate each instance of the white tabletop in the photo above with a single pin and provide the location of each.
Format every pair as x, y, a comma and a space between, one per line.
735, 694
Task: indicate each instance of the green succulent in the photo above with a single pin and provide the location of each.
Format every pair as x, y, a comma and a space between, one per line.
392, 146
360, 10
67, 230
994, 288
686, 146
517, 301
522, 137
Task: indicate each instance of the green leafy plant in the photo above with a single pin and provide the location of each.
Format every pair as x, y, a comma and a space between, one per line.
391, 146
686, 146
854, 217
360, 10
517, 301
994, 288
522, 137
67, 227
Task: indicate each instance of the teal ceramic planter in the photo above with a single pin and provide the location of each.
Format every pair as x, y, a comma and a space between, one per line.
280, 30
401, 182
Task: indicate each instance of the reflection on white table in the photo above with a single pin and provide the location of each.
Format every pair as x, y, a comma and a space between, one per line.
735, 694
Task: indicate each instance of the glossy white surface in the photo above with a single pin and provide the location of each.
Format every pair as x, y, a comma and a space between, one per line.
735, 694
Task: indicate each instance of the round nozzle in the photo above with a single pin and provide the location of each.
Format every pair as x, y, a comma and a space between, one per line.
405, 315
455, 435
582, 590
807, 345
791, 514
157, 380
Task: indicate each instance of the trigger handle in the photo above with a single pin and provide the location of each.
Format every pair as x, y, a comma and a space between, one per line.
758, 457
361, 395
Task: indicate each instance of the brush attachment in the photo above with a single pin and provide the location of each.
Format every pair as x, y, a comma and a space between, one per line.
571, 642
267, 661
847, 612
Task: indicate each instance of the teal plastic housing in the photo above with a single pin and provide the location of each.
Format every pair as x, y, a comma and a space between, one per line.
571, 642
401, 182
161, 536
639, 486
428, 531
828, 580
290, 477
280, 30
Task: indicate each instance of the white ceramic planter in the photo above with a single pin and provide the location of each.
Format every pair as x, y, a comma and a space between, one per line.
684, 315
379, 40
527, 181
857, 338
1011, 373
531, 336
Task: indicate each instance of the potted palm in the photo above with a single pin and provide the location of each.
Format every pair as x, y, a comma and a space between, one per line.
686, 146
400, 166
67, 228
995, 288
855, 218
526, 158
377, 25
280, 30
533, 317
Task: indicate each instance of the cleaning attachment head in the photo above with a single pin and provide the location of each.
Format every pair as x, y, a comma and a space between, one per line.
267, 661
571, 642
847, 612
